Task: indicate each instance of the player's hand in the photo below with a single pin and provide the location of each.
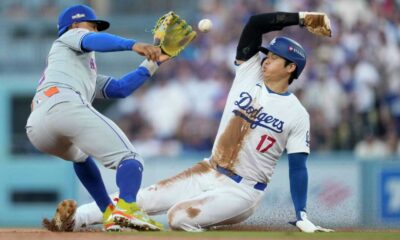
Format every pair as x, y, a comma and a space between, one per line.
307, 226
316, 22
163, 58
150, 51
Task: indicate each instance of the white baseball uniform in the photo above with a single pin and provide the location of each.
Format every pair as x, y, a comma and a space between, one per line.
256, 127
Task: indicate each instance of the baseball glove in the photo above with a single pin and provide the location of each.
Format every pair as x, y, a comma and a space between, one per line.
172, 34
316, 22
63, 220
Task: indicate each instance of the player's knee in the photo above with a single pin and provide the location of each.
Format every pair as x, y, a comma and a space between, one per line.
114, 162
180, 219
142, 201
174, 220
150, 201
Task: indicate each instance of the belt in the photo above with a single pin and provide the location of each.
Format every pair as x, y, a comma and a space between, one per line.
49, 92
238, 179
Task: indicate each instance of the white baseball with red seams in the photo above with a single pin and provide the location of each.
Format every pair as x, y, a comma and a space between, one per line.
205, 25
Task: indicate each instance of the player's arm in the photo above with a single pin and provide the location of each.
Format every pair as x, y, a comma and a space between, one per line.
120, 88
298, 148
251, 37
315, 22
105, 42
298, 177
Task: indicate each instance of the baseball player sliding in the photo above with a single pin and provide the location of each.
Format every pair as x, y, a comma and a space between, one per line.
64, 123
261, 119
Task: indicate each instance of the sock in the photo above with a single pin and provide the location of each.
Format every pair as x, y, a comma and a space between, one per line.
89, 175
129, 179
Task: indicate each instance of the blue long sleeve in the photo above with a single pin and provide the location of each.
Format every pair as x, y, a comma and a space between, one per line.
127, 84
298, 177
105, 42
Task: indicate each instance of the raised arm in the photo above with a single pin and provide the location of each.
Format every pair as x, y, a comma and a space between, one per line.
251, 37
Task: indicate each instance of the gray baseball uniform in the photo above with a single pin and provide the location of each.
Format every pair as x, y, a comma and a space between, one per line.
63, 121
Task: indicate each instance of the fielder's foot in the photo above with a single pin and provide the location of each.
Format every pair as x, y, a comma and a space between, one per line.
129, 215
64, 218
109, 224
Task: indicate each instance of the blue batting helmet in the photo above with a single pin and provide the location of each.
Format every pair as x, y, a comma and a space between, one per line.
79, 13
288, 49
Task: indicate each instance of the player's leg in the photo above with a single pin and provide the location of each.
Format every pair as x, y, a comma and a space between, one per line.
62, 146
160, 197
47, 138
155, 199
103, 139
69, 217
221, 206
90, 177
89, 214
71, 127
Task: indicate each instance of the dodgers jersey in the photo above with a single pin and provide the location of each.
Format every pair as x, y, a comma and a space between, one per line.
68, 65
258, 125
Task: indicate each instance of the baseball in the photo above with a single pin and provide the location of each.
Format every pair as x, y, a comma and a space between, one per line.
205, 25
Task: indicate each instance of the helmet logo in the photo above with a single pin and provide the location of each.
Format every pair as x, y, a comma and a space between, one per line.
295, 50
272, 41
78, 15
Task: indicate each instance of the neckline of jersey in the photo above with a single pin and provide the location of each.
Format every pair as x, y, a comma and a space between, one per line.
287, 93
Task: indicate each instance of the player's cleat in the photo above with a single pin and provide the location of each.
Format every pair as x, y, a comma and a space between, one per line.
64, 218
129, 215
109, 224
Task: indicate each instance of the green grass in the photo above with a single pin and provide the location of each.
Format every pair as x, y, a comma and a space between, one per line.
370, 235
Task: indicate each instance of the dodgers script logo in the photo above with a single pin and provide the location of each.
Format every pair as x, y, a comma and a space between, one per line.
256, 117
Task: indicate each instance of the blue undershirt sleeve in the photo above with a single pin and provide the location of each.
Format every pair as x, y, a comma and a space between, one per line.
121, 88
105, 42
298, 177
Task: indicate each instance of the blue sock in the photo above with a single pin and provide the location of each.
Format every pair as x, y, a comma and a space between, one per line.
90, 177
129, 179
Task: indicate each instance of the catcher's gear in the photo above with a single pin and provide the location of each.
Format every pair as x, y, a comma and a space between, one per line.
316, 22
307, 226
172, 34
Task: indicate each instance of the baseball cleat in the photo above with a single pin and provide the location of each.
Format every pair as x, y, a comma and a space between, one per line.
109, 224
64, 218
129, 215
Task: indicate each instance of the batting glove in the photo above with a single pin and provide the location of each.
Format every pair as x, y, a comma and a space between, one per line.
307, 226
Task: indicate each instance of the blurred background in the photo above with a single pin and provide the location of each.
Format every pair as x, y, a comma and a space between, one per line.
350, 87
